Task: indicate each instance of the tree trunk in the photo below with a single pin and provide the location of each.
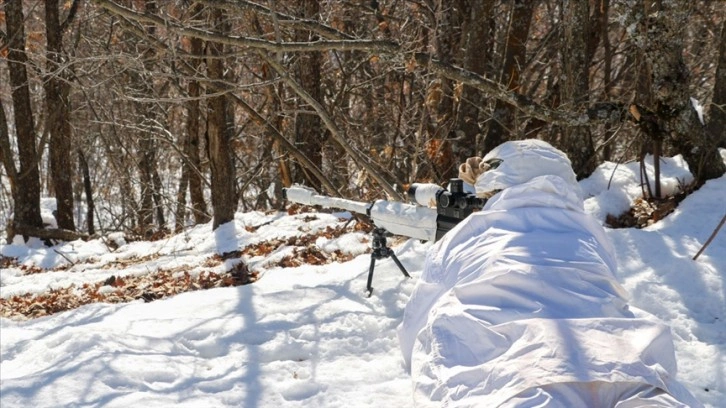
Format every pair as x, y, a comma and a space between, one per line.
477, 41
309, 131
181, 201
445, 43
577, 140
6, 152
158, 198
671, 115
608, 59
192, 166
146, 160
150, 203
90, 207
717, 110
27, 198
50, 233
219, 131
281, 171
502, 123
440, 96
58, 121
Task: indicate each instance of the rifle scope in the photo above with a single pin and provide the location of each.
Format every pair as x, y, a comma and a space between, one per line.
432, 195
452, 205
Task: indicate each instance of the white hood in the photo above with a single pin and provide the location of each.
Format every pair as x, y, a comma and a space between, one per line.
523, 160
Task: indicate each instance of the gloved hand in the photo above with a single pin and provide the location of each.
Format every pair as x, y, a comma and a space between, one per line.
472, 168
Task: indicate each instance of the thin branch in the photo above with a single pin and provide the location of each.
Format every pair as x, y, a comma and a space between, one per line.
287, 145
602, 113
713, 235
255, 43
305, 24
357, 157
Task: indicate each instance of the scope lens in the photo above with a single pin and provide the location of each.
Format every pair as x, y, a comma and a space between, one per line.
445, 199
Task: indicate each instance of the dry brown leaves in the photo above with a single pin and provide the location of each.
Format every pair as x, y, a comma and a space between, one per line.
148, 287
645, 212
306, 242
126, 262
7, 262
295, 208
440, 154
168, 282
31, 269
312, 255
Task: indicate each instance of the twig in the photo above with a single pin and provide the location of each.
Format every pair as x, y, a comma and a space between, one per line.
713, 235
63, 255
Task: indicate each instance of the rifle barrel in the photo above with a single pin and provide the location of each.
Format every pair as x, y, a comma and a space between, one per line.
307, 196
397, 218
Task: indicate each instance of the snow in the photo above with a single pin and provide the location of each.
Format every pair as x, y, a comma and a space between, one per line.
613, 187
699, 109
308, 335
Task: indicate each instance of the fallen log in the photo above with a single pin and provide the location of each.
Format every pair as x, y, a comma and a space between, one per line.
56, 234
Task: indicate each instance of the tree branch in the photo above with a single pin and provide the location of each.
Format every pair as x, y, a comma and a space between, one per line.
713, 235
49, 233
71, 15
287, 145
597, 114
305, 24
357, 157
256, 43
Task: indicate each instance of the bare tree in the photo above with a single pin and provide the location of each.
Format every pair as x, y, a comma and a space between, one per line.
441, 94
477, 41
192, 165
388, 92
58, 121
27, 191
717, 111
577, 140
6, 152
668, 114
219, 133
501, 125
309, 131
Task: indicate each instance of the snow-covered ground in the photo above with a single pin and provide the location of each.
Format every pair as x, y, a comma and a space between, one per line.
307, 335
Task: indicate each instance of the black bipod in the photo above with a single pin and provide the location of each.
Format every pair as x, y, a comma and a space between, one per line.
381, 251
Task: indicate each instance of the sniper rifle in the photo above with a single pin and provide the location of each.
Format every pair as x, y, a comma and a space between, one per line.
435, 211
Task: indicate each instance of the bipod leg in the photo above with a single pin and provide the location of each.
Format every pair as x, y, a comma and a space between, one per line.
369, 286
400, 265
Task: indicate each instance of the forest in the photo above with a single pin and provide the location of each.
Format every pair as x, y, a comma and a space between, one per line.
148, 116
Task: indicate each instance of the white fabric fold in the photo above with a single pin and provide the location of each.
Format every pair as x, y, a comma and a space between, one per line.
519, 306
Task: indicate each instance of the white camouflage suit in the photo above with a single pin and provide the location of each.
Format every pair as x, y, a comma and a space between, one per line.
519, 306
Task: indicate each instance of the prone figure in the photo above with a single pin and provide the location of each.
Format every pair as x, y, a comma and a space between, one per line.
519, 306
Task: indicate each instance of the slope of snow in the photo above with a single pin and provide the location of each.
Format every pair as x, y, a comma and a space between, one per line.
308, 335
